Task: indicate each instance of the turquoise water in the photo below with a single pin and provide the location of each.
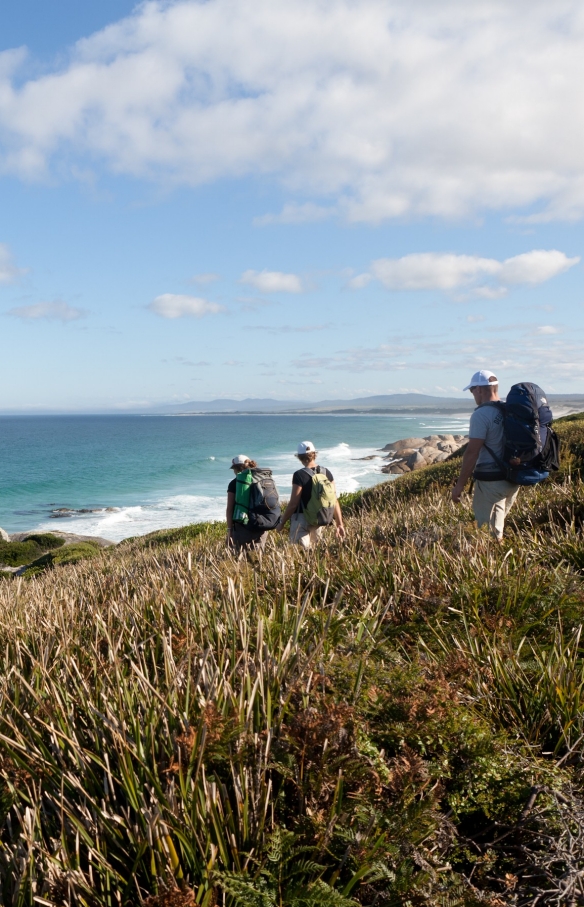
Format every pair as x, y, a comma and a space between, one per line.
158, 471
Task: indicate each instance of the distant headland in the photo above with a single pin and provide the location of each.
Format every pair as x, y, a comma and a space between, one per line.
381, 404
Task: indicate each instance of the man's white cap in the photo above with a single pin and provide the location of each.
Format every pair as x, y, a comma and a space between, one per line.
305, 447
484, 378
239, 460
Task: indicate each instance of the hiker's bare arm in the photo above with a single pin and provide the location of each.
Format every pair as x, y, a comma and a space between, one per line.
338, 518
469, 460
229, 512
292, 506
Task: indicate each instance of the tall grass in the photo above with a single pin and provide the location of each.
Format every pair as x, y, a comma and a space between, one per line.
365, 723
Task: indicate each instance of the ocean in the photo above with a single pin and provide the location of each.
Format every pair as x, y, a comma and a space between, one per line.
120, 476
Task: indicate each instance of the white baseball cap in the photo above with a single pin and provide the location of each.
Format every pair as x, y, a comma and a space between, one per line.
484, 378
305, 447
239, 460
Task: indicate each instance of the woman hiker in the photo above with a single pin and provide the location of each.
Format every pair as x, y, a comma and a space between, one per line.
239, 535
313, 503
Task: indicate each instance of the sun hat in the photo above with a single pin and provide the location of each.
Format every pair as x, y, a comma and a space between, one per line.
239, 460
305, 447
484, 378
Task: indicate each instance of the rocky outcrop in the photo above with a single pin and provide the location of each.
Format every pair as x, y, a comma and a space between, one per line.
26, 554
68, 537
415, 453
406, 443
4, 535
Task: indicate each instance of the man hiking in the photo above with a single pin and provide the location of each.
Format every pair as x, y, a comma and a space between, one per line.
313, 503
493, 495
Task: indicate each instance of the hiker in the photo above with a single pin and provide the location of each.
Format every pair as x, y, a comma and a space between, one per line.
313, 503
493, 495
253, 505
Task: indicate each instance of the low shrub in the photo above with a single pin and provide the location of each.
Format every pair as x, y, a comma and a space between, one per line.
68, 554
16, 554
45, 540
182, 535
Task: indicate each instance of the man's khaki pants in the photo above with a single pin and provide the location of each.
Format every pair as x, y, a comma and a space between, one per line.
491, 503
303, 534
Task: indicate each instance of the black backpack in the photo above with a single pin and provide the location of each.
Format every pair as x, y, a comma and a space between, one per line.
529, 436
264, 501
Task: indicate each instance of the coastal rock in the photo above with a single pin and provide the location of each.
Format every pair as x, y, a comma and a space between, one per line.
429, 453
411, 454
395, 469
416, 461
69, 537
4, 535
401, 454
406, 442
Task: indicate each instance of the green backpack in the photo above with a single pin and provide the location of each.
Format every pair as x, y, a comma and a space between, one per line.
320, 509
243, 483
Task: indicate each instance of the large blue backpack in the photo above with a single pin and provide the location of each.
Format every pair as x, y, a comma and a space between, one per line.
529, 437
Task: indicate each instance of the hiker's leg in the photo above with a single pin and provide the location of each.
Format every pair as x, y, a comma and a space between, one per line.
488, 504
259, 542
482, 503
506, 492
300, 532
492, 502
243, 538
510, 499
497, 521
316, 533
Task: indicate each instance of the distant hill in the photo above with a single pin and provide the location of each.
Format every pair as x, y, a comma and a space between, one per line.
414, 404
227, 405
379, 403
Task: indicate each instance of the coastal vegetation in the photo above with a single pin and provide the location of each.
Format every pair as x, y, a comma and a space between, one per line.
36, 552
395, 720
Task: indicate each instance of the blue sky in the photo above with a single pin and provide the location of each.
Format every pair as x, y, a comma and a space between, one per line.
306, 200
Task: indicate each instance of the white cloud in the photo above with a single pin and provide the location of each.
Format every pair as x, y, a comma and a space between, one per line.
51, 311
514, 350
536, 267
296, 214
447, 271
272, 281
9, 273
360, 281
171, 305
548, 329
382, 108
431, 271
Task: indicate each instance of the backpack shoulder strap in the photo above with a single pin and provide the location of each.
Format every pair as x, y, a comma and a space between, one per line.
498, 403
311, 474
500, 463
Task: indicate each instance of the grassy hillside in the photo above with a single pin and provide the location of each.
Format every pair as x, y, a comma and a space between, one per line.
397, 720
